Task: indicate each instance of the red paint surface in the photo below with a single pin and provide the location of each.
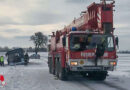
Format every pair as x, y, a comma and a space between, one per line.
1, 78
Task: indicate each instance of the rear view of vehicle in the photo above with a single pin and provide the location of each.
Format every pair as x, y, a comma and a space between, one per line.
16, 56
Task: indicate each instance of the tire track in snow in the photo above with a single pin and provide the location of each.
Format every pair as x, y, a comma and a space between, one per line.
84, 84
91, 84
80, 81
113, 86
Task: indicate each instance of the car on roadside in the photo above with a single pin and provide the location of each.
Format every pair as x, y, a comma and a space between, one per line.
34, 56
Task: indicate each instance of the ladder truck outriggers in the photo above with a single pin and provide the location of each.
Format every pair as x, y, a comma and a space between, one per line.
87, 45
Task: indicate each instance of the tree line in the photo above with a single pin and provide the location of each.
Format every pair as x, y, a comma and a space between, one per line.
29, 49
124, 51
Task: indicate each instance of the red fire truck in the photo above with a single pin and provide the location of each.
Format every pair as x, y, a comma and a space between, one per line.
87, 45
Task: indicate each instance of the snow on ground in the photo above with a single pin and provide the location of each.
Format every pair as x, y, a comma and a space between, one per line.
35, 76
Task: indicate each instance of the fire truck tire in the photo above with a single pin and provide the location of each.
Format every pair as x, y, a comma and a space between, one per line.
100, 76
84, 74
50, 66
56, 68
62, 74
53, 71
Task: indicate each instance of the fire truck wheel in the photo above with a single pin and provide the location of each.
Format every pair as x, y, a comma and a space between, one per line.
53, 71
84, 74
56, 68
62, 72
101, 75
50, 67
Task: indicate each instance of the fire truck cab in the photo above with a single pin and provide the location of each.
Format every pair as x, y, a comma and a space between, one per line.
81, 47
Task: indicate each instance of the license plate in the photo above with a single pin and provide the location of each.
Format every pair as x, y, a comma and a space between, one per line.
93, 68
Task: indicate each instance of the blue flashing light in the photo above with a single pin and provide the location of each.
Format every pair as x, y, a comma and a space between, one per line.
74, 29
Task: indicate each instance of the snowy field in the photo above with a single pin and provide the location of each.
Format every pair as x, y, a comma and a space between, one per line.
35, 76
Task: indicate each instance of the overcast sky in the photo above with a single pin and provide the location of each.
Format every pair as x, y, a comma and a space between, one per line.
19, 19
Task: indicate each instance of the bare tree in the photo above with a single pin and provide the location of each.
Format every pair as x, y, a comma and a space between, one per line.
39, 40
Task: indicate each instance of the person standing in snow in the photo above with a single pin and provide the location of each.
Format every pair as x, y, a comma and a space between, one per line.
2, 60
26, 58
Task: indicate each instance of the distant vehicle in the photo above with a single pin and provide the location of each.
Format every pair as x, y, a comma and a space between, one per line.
16, 56
35, 56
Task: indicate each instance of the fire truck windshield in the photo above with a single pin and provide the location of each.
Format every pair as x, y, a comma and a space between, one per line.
84, 42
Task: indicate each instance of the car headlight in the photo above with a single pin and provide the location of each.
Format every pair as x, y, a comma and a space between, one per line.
113, 63
73, 63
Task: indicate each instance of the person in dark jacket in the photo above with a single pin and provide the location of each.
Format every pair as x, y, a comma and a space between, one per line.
26, 58
99, 51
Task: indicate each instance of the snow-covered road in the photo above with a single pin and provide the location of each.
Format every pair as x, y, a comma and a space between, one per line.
35, 76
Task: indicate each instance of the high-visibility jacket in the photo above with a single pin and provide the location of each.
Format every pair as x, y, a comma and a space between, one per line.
2, 59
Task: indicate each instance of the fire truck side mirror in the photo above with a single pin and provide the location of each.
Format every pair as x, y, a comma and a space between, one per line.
64, 41
117, 41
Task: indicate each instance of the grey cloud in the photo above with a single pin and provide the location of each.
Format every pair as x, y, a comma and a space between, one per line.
7, 20
40, 17
15, 3
22, 37
22, 41
12, 30
123, 18
79, 1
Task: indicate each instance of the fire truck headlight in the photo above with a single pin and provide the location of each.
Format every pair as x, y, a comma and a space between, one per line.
113, 63
73, 63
